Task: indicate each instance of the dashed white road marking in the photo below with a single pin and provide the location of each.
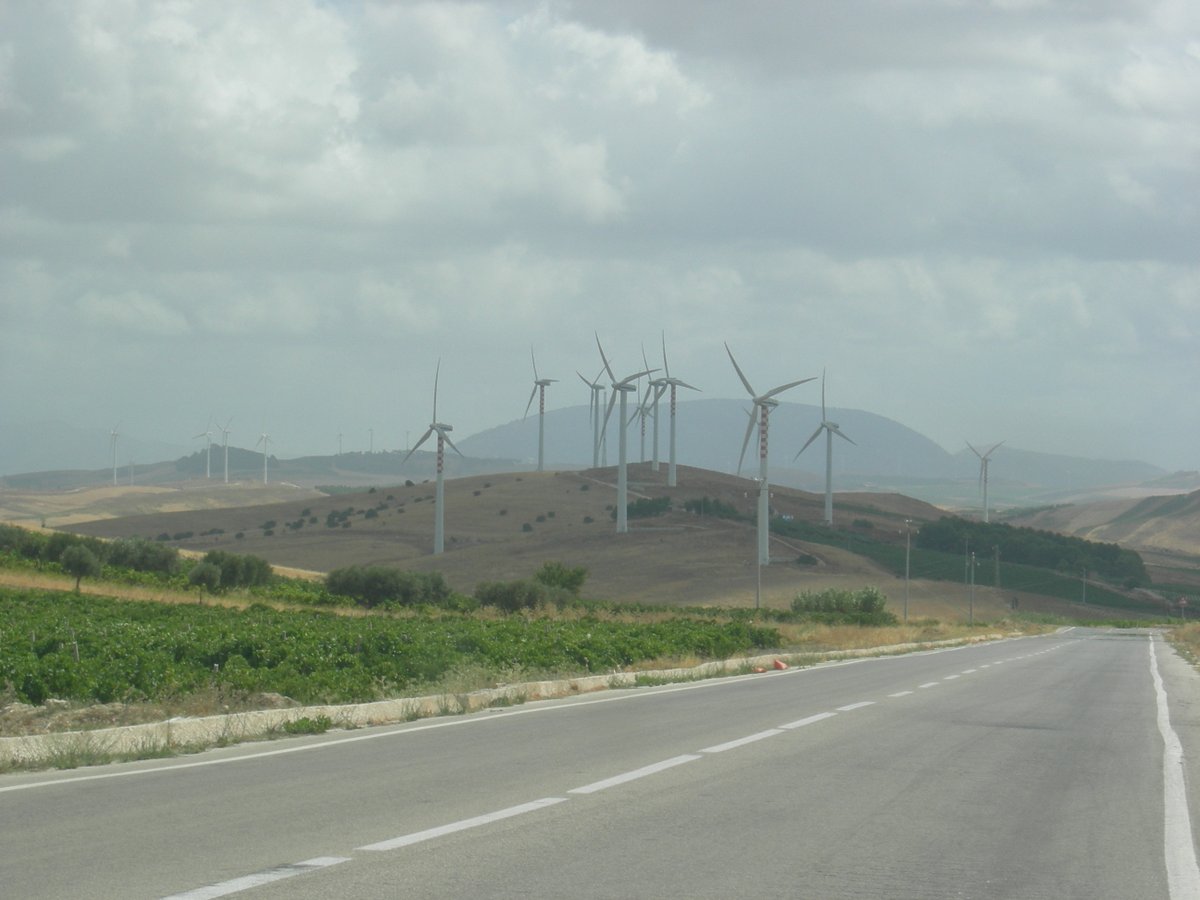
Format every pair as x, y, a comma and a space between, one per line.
949, 678
635, 774
969, 671
800, 723
900, 694
418, 836
258, 879
928, 684
858, 705
741, 742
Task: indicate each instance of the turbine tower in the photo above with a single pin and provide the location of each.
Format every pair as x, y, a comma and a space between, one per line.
620, 388
207, 435
539, 391
763, 404
225, 444
597, 388
112, 436
983, 473
673, 383
442, 430
265, 440
830, 429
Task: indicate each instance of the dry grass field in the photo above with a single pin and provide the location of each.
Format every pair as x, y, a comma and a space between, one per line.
504, 527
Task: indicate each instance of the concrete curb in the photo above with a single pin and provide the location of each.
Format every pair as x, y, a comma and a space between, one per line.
219, 730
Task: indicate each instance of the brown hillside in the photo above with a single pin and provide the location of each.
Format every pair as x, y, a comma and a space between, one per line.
502, 527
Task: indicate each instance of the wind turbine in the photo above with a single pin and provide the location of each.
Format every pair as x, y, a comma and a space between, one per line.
112, 435
207, 435
763, 404
983, 473
265, 440
673, 383
830, 429
597, 388
442, 430
539, 391
620, 388
225, 444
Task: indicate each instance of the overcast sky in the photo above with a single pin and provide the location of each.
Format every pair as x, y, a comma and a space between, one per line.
980, 217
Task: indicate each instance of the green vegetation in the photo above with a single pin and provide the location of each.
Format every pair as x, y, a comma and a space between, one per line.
91, 649
388, 588
842, 607
79, 562
646, 508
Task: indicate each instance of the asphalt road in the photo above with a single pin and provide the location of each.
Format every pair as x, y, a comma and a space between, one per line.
1037, 767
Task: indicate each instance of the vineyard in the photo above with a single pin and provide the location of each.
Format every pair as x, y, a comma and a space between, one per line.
87, 649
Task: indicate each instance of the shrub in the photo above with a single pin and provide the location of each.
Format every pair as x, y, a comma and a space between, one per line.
239, 570
510, 596
555, 574
646, 507
527, 527
838, 606
387, 587
205, 576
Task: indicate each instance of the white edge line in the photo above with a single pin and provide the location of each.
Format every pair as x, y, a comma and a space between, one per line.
858, 705
258, 879
741, 742
1183, 875
800, 723
486, 819
635, 774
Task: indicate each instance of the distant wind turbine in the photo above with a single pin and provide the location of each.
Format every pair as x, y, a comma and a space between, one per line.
264, 439
620, 388
207, 435
539, 391
225, 445
984, 459
113, 440
443, 437
830, 429
673, 383
763, 404
597, 404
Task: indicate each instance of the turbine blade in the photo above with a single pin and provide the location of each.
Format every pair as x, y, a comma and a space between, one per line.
738, 369
530, 403
666, 368
973, 450
807, 443
785, 387
534, 358
436, 374
423, 439
746, 440
635, 377
992, 450
445, 437
608, 412
841, 434
607, 368
823, 416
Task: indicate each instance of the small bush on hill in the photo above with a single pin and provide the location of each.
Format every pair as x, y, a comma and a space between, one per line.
510, 596
556, 575
836, 606
386, 587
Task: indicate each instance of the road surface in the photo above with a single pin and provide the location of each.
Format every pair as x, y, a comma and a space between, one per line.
1027, 768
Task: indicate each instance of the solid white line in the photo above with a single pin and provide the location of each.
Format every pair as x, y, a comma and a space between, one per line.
740, 742
258, 879
635, 774
431, 833
900, 694
1183, 874
800, 723
929, 684
858, 705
